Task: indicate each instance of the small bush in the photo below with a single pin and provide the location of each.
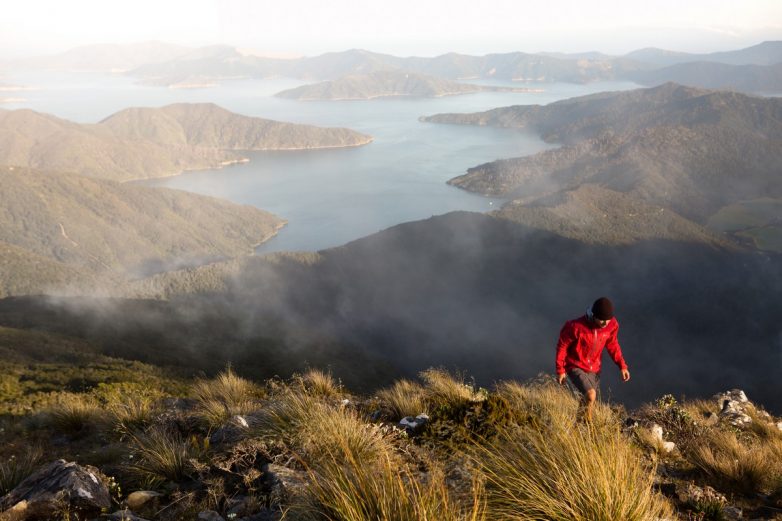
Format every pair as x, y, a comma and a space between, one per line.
405, 398
15, 469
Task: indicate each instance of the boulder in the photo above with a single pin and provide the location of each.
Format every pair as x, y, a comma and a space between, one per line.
60, 486
657, 433
123, 515
413, 425
231, 432
733, 406
283, 484
209, 515
140, 499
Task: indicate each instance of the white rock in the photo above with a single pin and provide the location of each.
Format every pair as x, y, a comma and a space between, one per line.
241, 421
657, 432
668, 446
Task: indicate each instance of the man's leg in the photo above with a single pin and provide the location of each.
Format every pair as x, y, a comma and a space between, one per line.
587, 384
588, 402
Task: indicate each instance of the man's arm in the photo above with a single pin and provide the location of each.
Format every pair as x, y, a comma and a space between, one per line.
612, 345
566, 337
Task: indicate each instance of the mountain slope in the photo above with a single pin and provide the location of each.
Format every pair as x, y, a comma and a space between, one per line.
765, 53
81, 225
145, 142
744, 78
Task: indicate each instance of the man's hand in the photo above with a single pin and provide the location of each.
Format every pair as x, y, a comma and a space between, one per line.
561, 378
625, 375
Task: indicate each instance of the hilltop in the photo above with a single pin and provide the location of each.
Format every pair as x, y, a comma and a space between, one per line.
385, 84
60, 230
153, 142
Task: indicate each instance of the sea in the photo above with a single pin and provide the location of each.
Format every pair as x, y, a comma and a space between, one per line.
329, 197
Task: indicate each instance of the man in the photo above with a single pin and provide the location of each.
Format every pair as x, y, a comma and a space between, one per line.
580, 347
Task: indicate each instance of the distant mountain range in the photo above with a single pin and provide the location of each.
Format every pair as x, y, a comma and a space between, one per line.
382, 84
688, 150
153, 142
161, 64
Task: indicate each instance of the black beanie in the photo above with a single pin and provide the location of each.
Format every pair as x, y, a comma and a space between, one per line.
603, 309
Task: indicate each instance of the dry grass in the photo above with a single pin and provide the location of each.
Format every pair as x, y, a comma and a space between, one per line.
348, 488
548, 467
161, 455
320, 383
404, 398
743, 466
446, 390
224, 397
16, 468
74, 414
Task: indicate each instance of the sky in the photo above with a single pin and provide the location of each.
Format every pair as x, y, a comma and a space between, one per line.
401, 27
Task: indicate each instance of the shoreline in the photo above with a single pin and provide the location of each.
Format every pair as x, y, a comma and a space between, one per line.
244, 159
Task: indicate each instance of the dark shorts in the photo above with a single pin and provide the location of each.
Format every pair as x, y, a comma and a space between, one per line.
583, 380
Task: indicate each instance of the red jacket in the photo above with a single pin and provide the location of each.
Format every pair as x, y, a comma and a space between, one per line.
581, 345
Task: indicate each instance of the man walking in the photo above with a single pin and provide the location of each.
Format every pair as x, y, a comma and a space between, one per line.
580, 347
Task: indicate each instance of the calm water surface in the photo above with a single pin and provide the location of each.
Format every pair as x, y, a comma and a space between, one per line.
328, 197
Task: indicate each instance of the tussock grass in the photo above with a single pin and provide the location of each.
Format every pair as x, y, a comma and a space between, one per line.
74, 414
746, 467
347, 489
549, 467
225, 396
446, 390
131, 413
15, 469
404, 398
162, 455
320, 383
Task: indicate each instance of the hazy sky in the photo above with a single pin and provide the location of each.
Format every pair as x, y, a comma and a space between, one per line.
403, 27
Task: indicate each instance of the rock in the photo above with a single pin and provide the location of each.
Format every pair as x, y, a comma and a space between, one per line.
657, 432
141, 498
698, 497
779, 425
283, 484
711, 419
123, 515
209, 515
733, 407
231, 432
731, 513
413, 425
57, 487
668, 446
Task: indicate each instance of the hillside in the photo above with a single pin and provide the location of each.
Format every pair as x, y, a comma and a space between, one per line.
765, 53
143, 143
593, 214
379, 85
689, 150
744, 78
58, 229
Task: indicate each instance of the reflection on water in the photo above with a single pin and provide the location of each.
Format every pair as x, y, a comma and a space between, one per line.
329, 197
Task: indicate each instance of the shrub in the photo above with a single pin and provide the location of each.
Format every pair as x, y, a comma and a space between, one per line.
405, 398
16, 468
548, 467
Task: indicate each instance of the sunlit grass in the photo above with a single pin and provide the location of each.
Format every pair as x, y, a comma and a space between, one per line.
225, 396
404, 398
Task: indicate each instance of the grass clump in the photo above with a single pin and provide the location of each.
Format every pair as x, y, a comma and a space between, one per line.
225, 396
344, 488
743, 466
73, 414
162, 455
16, 469
549, 467
320, 383
444, 390
404, 398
